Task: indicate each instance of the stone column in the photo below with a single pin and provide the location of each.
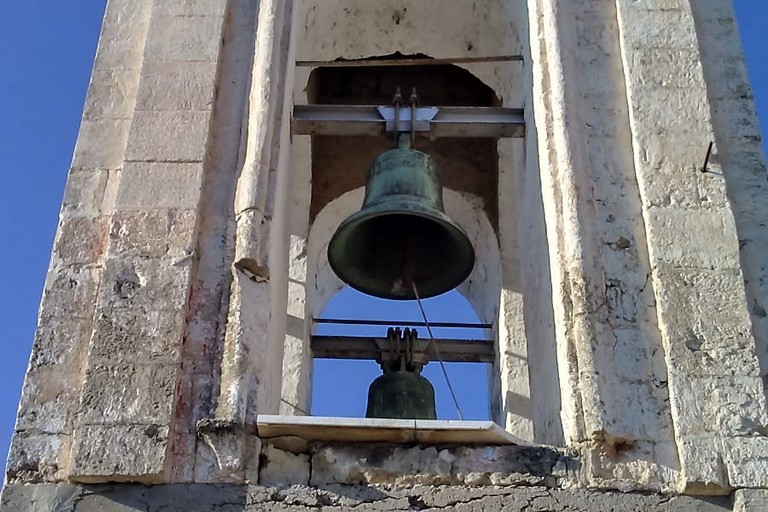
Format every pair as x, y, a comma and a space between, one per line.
41, 445
717, 397
610, 358
251, 364
131, 373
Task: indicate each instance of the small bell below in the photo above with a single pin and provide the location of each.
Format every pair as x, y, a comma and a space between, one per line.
401, 235
401, 393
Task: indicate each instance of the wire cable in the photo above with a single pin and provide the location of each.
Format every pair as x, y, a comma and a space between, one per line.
437, 351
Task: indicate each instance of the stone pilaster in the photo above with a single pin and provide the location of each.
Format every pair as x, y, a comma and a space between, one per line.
42, 441
717, 398
125, 425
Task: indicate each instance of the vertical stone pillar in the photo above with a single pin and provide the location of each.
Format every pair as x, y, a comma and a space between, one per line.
42, 442
251, 364
129, 397
716, 394
612, 374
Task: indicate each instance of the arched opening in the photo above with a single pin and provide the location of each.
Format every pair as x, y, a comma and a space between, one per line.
490, 188
340, 386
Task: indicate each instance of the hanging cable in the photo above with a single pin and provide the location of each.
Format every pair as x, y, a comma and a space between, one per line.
437, 351
295, 406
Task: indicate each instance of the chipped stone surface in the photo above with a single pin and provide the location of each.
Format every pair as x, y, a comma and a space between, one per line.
240, 498
435, 465
750, 500
280, 467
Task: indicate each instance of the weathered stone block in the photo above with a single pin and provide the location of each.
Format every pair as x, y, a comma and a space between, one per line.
746, 459
668, 67
279, 467
221, 448
251, 498
291, 444
153, 234
728, 406
37, 497
141, 332
750, 500
121, 42
111, 94
146, 283
47, 397
112, 453
705, 313
696, 238
168, 136
58, 341
177, 86
379, 463
682, 189
189, 7
70, 292
183, 38
128, 393
34, 457
80, 240
101, 143
84, 192
702, 468
662, 29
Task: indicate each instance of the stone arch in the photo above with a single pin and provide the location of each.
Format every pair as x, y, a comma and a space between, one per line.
482, 289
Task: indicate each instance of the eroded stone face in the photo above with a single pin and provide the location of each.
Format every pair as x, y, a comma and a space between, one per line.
243, 498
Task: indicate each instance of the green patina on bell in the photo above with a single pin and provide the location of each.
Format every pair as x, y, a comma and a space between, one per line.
401, 395
401, 235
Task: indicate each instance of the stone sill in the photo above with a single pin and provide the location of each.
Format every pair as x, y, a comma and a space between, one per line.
332, 429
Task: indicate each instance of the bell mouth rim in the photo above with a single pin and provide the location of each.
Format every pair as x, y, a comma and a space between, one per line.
416, 209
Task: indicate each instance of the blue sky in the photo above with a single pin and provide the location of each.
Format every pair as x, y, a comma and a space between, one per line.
46, 53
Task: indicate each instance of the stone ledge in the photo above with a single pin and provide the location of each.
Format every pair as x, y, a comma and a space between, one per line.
329, 429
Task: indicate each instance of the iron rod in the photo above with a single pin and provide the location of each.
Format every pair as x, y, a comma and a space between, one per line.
371, 120
358, 347
403, 323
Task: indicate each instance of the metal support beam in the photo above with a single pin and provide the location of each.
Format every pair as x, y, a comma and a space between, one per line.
402, 323
358, 347
405, 61
345, 120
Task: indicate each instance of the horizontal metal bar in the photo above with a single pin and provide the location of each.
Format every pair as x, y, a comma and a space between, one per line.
371, 120
400, 323
406, 61
357, 347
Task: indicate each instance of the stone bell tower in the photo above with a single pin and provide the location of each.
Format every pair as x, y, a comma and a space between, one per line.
604, 160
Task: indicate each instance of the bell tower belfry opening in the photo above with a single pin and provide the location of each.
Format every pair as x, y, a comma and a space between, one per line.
470, 170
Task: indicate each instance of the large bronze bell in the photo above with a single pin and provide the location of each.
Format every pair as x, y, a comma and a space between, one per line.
401, 235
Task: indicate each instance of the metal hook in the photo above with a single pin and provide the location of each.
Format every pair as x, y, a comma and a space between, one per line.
397, 102
414, 101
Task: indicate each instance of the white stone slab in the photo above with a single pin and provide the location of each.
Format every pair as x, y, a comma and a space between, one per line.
317, 428
464, 432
